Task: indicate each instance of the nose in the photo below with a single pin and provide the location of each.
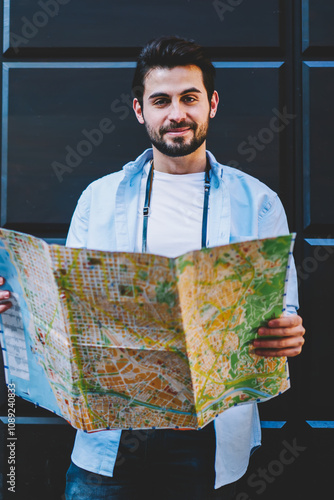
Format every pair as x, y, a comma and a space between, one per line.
176, 112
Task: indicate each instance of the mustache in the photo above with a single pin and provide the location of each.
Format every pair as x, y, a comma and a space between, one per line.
176, 126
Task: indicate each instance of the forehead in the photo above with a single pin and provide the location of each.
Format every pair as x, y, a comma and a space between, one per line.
173, 80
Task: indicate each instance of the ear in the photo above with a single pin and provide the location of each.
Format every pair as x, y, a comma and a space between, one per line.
214, 104
138, 111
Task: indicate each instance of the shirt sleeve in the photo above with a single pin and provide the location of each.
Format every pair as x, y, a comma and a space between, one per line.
78, 231
273, 222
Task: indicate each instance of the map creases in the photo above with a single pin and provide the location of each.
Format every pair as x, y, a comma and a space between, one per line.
126, 340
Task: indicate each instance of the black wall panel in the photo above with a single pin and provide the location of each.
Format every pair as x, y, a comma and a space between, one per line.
316, 274
106, 24
70, 123
275, 473
314, 59
253, 121
317, 25
318, 106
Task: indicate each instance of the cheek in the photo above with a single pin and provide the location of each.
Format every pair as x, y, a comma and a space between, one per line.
200, 115
156, 122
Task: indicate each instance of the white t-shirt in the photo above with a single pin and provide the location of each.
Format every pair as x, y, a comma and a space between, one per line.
176, 213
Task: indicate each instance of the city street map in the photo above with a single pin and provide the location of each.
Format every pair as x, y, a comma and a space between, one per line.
111, 340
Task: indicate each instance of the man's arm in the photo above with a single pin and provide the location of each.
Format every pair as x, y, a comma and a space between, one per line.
285, 335
78, 231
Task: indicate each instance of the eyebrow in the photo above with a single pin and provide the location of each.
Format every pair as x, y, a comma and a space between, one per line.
164, 94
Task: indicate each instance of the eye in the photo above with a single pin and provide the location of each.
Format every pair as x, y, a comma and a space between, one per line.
161, 101
189, 98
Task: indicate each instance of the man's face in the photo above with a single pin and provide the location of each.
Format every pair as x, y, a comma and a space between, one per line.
176, 110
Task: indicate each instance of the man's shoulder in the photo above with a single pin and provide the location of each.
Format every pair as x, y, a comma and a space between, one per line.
240, 180
232, 174
235, 177
245, 191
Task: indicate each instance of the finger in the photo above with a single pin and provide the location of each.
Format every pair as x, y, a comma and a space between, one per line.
281, 343
285, 321
5, 306
282, 332
4, 295
2, 281
289, 352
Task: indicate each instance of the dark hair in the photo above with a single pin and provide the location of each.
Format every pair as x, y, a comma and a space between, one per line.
169, 52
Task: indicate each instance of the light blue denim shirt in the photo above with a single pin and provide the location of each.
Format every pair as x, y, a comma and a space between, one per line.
240, 208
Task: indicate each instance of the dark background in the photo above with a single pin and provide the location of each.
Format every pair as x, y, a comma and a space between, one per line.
67, 66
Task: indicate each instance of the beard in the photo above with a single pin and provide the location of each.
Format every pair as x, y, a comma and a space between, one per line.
178, 146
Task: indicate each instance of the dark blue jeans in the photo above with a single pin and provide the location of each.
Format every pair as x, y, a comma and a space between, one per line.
155, 465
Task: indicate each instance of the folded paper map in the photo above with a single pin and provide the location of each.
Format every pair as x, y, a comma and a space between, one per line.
130, 340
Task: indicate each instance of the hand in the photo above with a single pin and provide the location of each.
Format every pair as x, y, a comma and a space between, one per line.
289, 337
4, 295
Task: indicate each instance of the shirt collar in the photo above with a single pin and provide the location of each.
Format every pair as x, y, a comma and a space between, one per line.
133, 167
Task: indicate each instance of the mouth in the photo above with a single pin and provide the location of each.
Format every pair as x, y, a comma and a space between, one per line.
178, 131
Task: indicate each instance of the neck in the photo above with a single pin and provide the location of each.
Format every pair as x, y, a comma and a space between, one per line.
190, 164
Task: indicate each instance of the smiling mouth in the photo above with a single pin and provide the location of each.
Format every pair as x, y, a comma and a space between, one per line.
178, 131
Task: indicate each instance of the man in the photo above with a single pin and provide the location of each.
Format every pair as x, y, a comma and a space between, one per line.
172, 199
